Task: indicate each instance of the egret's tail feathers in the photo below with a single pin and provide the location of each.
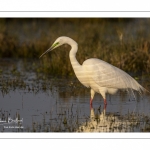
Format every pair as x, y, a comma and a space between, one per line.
136, 86
143, 90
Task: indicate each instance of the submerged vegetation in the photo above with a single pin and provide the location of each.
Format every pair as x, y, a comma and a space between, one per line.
122, 42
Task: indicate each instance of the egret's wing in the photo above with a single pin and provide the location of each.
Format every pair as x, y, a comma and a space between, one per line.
106, 75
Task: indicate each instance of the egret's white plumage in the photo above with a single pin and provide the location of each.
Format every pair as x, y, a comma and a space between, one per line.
97, 74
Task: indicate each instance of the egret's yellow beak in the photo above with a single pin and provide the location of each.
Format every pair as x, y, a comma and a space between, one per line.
50, 49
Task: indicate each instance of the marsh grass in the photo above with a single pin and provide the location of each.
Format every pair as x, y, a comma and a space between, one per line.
23, 75
122, 42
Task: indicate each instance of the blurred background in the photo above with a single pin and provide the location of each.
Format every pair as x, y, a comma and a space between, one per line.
123, 42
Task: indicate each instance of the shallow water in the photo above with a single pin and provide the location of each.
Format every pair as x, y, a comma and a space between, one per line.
61, 104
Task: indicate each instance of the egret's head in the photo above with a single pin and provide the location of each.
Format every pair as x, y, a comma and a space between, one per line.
59, 41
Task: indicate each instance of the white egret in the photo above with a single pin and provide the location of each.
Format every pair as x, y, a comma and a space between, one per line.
97, 74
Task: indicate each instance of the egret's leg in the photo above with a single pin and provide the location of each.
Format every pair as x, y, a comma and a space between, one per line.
91, 106
103, 92
105, 102
92, 96
91, 101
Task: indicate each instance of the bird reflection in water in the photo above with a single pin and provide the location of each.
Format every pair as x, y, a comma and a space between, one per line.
101, 121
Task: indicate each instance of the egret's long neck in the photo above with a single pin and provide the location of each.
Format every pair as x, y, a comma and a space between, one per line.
78, 69
75, 64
